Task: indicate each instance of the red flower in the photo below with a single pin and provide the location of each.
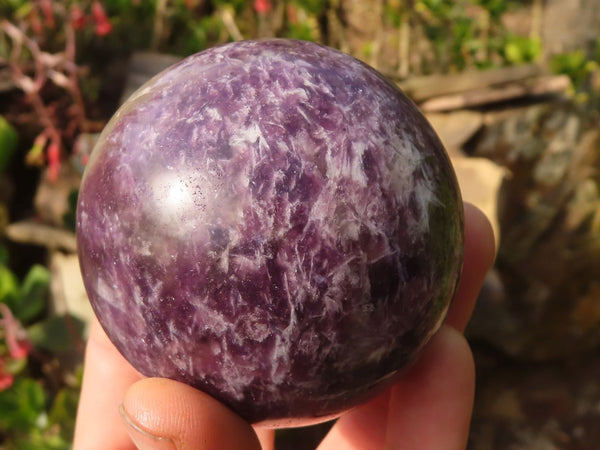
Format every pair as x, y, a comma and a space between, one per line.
53, 156
46, 7
18, 347
78, 18
103, 25
6, 380
16, 341
35, 22
262, 6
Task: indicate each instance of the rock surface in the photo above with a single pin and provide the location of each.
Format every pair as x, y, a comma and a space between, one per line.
541, 406
549, 215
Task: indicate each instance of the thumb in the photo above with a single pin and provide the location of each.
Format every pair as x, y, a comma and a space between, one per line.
165, 414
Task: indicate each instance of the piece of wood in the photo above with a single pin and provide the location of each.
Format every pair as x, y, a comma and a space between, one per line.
423, 88
29, 232
545, 85
68, 291
455, 128
480, 180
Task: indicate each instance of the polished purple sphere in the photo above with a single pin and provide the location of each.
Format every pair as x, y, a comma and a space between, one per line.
274, 223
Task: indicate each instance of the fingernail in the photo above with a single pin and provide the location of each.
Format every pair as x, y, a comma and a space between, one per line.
143, 439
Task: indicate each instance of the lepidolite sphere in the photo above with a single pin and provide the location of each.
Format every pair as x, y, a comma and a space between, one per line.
274, 223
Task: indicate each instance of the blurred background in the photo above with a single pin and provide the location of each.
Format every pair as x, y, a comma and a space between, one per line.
513, 89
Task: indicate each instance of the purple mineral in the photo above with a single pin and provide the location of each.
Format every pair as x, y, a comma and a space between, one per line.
274, 223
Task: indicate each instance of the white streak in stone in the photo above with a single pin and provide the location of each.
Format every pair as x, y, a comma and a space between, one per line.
105, 291
245, 136
425, 195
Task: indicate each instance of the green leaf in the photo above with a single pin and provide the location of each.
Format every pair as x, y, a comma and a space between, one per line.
9, 286
573, 64
25, 423
24, 10
312, 6
33, 294
3, 256
496, 8
22, 406
41, 441
8, 143
14, 366
56, 334
69, 217
63, 412
521, 49
32, 398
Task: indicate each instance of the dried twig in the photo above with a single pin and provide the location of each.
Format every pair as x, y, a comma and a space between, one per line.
61, 70
229, 22
544, 85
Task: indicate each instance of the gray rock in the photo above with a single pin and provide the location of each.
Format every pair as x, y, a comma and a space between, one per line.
549, 253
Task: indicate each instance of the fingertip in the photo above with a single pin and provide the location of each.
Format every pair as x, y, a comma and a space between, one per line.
480, 252
446, 363
97, 409
431, 406
479, 235
162, 413
452, 349
142, 438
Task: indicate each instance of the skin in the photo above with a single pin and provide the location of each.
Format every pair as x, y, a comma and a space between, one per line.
430, 407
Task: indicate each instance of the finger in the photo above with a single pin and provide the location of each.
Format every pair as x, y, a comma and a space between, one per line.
479, 257
364, 427
166, 414
431, 406
266, 437
106, 378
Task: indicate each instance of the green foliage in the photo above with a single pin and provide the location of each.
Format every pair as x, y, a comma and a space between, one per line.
575, 65
8, 143
8, 7
32, 301
584, 72
464, 43
69, 217
314, 7
33, 416
26, 300
495, 8
125, 17
521, 49
237, 5
23, 406
63, 410
471, 33
56, 334
24, 411
393, 13
9, 286
200, 32
300, 31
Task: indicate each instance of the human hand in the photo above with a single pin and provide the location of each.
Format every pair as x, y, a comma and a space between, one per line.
429, 408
